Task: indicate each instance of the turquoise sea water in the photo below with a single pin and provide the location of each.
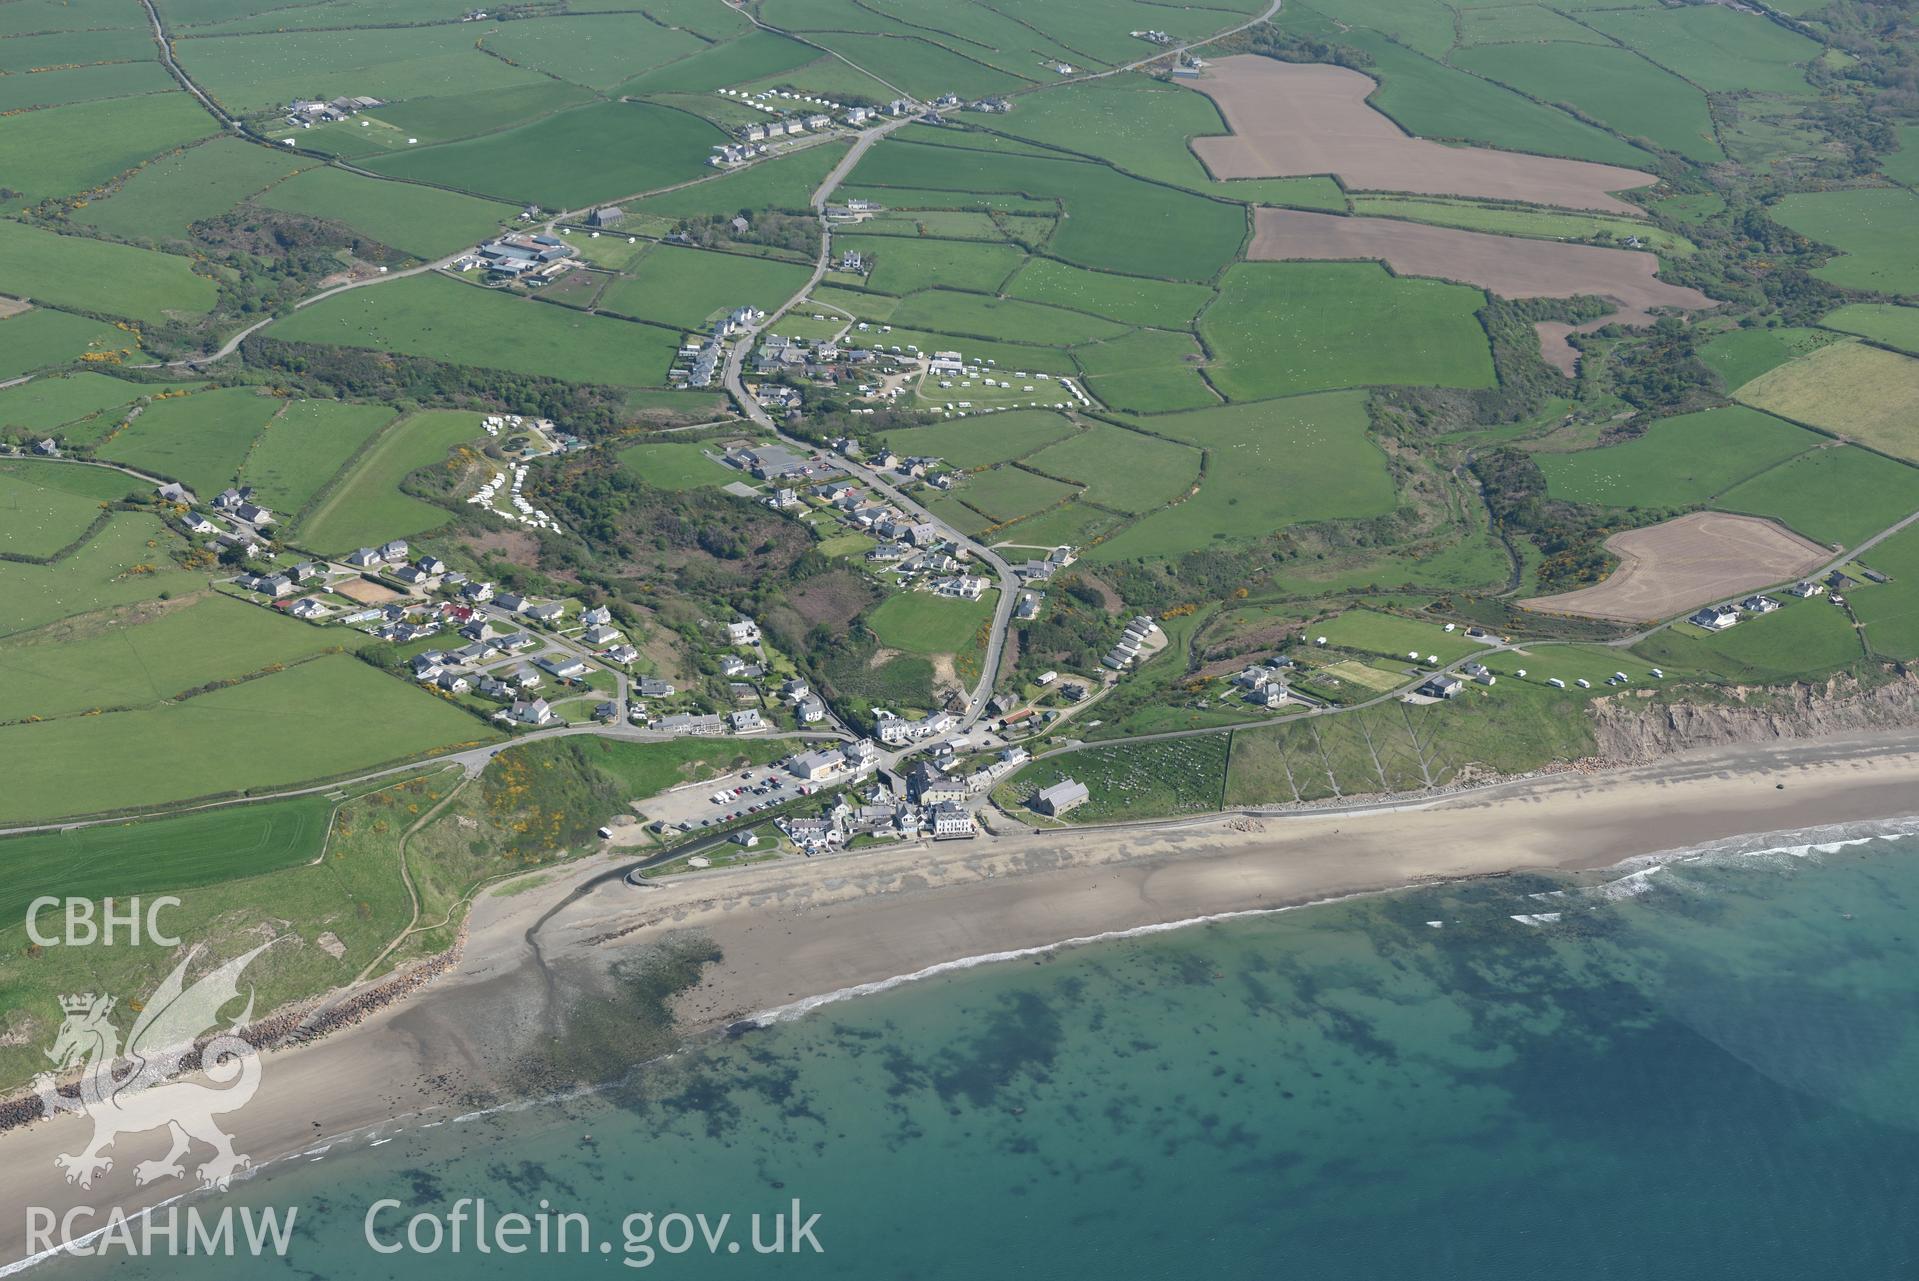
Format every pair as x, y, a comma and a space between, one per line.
1705, 1071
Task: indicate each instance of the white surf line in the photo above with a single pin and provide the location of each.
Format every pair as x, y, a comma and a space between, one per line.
806, 1005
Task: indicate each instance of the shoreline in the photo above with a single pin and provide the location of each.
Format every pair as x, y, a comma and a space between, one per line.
798, 934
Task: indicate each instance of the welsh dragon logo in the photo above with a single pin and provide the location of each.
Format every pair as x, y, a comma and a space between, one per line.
128, 1091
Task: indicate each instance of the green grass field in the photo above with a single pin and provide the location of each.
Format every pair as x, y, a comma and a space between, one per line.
171, 193
254, 72
903, 266
1509, 728
1882, 322
238, 871
55, 403
1143, 126
1903, 164
1121, 469
981, 442
1520, 23
825, 76
1520, 220
1075, 524
1149, 371
304, 447
916, 203
1611, 85
124, 563
1872, 228
167, 854
79, 669
946, 224
1130, 780
1717, 49
1849, 389
921, 67
1806, 638
600, 152
1839, 495
1677, 462
959, 515
600, 51
1268, 465
198, 440
1372, 632
443, 319
1744, 354
1005, 319
64, 151
784, 182
1004, 355
44, 339
688, 287
1283, 328
422, 221
1115, 223
1007, 493
367, 505
671, 466
422, 122
1433, 100
44, 507
98, 276
754, 56
1129, 300
922, 623
19, 91
1890, 611
272, 732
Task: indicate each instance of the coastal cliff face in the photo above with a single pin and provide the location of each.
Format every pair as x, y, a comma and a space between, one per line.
1638, 727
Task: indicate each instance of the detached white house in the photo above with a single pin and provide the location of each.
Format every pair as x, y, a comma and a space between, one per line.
534, 712
1715, 618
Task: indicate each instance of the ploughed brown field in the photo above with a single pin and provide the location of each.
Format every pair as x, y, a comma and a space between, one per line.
1669, 568
1509, 266
1291, 119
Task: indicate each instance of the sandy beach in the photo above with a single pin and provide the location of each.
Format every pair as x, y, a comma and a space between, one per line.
795, 930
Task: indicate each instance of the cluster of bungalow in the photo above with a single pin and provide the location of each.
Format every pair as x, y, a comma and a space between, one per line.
1717, 618
523, 511
728, 155
1125, 652
698, 363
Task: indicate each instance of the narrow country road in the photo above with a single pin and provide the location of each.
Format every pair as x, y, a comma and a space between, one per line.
233, 344
735, 385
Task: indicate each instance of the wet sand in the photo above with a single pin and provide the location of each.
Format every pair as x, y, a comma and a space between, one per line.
1299, 119
801, 929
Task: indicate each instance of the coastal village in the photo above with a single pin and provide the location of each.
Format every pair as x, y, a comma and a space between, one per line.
545, 545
